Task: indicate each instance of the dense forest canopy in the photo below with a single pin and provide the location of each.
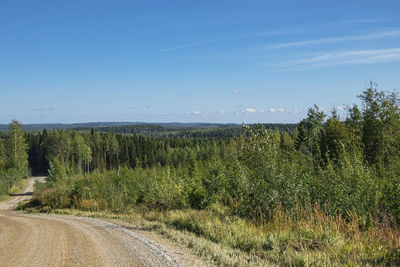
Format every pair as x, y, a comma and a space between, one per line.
160, 130
84, 152
196, 131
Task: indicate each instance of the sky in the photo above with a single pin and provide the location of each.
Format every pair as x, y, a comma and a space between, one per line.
192, 61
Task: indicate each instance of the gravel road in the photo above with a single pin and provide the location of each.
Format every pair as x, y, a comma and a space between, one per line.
26, 194
53, 240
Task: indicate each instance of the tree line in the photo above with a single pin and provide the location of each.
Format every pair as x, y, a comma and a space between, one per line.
202, 131
80, 152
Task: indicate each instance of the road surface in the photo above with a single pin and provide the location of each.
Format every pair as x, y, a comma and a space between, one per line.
51, 240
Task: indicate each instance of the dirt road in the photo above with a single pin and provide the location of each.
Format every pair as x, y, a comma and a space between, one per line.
50, 240
26, 194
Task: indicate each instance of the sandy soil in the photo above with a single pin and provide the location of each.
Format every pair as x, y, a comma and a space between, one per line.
53, 240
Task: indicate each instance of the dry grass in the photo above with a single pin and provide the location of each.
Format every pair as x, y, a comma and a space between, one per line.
323, 239
309, 238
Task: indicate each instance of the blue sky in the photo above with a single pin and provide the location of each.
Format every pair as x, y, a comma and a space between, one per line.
185, 61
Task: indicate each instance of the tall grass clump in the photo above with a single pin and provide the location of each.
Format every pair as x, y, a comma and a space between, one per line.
323, 238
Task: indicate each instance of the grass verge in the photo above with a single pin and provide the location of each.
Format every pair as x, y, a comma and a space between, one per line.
310, 239
15, 189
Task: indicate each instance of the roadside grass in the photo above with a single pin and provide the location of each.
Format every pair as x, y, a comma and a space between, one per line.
15, 189
311, 238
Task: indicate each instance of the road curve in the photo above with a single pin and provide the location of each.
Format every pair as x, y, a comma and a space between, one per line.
52, 240
26, 194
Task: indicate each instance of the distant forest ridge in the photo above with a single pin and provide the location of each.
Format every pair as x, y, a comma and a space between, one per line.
170, 130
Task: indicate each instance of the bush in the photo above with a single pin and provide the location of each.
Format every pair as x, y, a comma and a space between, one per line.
347, 185
9, 178
265, 177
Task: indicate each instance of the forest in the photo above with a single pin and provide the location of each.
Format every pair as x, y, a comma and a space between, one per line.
326, 192
187, 130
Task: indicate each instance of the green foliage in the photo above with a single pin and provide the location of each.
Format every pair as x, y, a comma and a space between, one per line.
13, 158
336, 139
252, 174
301, 137
265, 176
156, 188
190, 131
351, 168
345, 185
380, 127
56, 170
85, 152
16, 147
313, 125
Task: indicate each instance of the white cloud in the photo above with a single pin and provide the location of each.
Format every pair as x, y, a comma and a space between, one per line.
340, 108
360, 21
236, 91
175, 48
195, 112
345, 58
221, 112
226, 38
336, 39
296, 111
251, 110
273, 110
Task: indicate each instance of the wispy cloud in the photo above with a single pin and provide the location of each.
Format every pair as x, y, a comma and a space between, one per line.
346, 57
262, 89
295, 111
175, 47
274, 110
362, 21
226, 38
43, 109
251, 110
236, 91
378, 35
